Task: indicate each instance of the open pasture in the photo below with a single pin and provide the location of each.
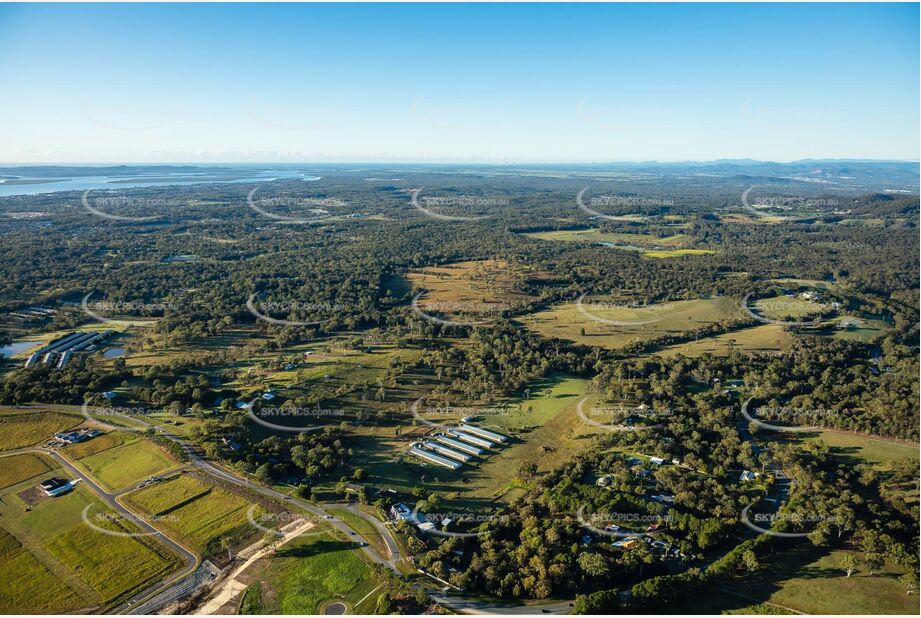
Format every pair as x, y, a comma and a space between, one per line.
649, 245
134, 460
342, 380
764, 338
863, 330
48, 546
859, 448
672, 253
590, 323
308, 573
27, 586
785, 307
18, 468
478, 290
104, 442
198, 513
28, 427
543, 429
595, 235
814, 583
113, 565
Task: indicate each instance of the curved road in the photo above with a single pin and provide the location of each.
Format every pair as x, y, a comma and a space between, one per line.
484, 606
455, 602
110, 499
321, 515
392, 548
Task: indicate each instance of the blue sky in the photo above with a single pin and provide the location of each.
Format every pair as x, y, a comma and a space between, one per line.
424, 82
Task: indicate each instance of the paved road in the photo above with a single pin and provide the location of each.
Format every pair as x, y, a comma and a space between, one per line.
454, 601
320, 514
782, 482
468, 605
392, 548
780, 490
161, 590
190, 558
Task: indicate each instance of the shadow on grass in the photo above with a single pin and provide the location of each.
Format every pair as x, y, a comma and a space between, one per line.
785, 559
306, 550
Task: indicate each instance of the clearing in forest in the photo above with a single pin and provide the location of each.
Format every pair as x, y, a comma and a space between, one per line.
614, 324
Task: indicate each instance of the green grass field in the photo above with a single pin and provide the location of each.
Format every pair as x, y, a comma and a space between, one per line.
28, 587
857, 447
814, 583
8, 543
48, 517
617, 238
762, 338
310, 572
808, 580
197, 513
47, 546
795, 308
18, 468
670, 253
866, 331
121, 466
381, 450
251, 604
547, 429
161, 497
546, 399
331, 370
821, 587
364, 528
782, 307
568, 321
110, 439
809, 283
19, 429
111, 565
648, 244
349, 366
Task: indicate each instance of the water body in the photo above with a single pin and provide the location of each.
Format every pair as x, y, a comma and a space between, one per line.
113, 353
35, 186
624, 247
16, 347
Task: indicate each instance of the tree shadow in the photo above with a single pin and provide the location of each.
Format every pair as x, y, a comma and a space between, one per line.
783, 560
305, 550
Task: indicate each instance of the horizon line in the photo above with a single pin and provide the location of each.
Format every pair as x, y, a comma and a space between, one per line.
461, 162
